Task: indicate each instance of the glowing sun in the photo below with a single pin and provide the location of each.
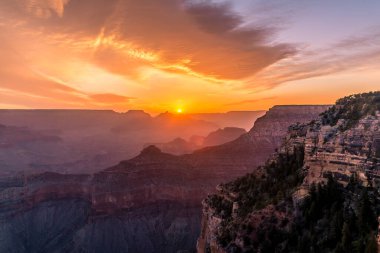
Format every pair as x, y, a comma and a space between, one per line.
179, 110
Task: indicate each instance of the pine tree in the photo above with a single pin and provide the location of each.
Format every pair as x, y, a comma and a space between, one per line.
346, 237
371, 244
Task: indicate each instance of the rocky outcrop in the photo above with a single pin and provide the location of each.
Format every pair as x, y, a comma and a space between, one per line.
272, 209
342, 153
151, 203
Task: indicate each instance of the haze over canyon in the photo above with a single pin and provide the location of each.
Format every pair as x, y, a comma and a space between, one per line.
150, 203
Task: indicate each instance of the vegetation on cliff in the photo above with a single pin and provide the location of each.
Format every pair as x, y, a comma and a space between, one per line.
251, 193
334, 218
351, 109
281, 176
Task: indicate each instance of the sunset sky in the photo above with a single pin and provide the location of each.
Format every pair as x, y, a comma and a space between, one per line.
194, 55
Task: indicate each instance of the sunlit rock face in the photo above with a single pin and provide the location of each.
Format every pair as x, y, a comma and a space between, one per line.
331, 151
151, 203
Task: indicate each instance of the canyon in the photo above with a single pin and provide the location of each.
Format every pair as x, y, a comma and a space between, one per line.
150, 203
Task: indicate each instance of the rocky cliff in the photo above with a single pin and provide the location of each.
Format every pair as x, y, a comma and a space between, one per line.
318, 193
151, 203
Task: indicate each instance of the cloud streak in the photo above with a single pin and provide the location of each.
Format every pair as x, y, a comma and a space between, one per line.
44, 8
249, 101
350, 54
202, 40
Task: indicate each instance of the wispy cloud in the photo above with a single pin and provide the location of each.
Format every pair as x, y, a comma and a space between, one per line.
44, 8
351, 53
249, 101
110, 98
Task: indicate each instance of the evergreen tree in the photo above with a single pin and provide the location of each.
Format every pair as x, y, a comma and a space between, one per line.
346, 238
371, 244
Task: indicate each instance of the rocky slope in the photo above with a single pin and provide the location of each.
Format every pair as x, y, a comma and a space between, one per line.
180, 146
318, 193
151, 203
222, 136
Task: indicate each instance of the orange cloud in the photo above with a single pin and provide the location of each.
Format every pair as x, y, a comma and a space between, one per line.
203, 40
110, 98
249, 101
44, 8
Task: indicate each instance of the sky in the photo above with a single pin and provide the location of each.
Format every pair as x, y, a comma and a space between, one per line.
193, 55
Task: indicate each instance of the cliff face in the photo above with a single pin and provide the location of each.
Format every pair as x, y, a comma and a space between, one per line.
328, 150
151, 203
331, 164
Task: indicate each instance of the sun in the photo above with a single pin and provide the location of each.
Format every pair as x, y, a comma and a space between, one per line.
179, 110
